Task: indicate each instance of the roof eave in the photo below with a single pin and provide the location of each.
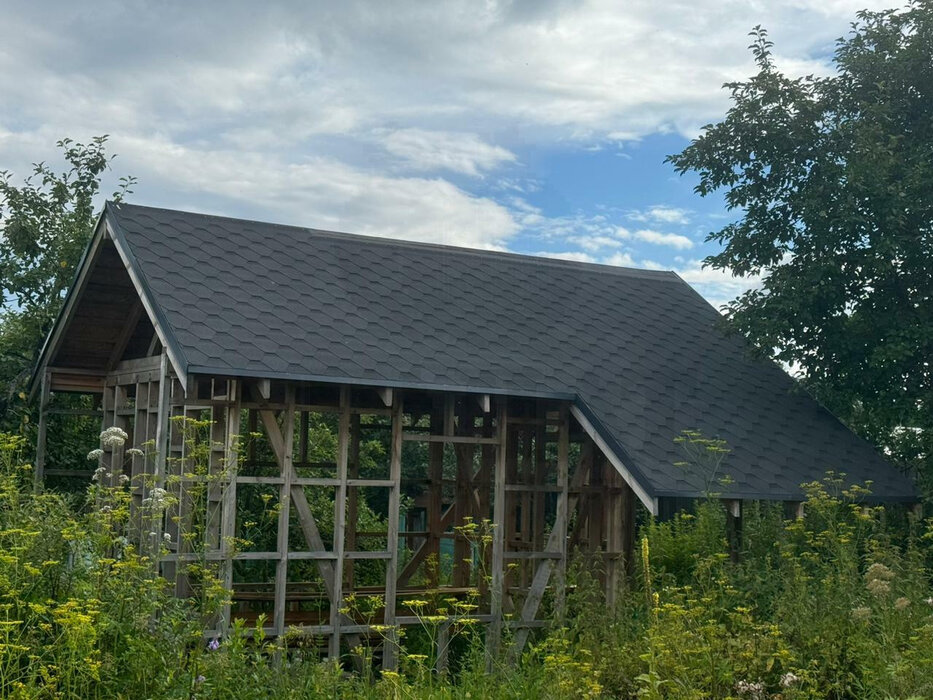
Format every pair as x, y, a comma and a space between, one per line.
162, 328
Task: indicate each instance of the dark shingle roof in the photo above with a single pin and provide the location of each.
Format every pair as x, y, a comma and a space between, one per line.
641, 351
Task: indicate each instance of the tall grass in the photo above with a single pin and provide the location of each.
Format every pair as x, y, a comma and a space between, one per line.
836, 605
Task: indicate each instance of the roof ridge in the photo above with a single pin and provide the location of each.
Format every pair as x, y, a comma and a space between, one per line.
658, 275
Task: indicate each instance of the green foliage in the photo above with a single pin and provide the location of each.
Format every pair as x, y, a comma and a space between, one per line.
46, 223
833, 180
836, 605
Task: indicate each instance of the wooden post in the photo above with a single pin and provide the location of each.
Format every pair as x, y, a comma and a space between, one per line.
39, 473
228, 498
353, 470
563, 508
390, 653
436, 495
734, 527
498, 539
340, 519
286, 472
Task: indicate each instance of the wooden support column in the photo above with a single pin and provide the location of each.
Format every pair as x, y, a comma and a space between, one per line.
340, 520
734, 527
228, 502
390, 652
499, 533
41, 437
614, 527
563, 509
436, 495
464, 510
353, 471
286, 471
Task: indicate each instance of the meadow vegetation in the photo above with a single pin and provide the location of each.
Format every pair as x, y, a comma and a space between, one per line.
837, 604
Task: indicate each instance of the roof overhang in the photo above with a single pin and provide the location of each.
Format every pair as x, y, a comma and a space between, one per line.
106, 229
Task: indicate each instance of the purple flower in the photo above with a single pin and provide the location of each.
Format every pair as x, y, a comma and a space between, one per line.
214, 644
200, 679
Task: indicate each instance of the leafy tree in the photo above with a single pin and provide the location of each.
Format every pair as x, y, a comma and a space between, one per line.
45, 224
833, 179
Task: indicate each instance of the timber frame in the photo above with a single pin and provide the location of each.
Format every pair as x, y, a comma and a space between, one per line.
317, 419
483, 499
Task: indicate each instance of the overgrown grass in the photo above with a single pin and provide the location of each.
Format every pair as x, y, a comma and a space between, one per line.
836, 605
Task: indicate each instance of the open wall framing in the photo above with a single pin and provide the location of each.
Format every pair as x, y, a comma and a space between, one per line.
303, 498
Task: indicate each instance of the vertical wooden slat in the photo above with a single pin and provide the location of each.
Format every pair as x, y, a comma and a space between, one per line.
563, 508
340, 520
390, 654
286, 472
228, 505
353, 470
498, 539
41, 438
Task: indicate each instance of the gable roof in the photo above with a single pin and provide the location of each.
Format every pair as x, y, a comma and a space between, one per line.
641, 354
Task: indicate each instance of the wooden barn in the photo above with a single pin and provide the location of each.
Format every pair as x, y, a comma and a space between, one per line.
323, 417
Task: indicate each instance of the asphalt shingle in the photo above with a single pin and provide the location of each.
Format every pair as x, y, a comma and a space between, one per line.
640, 350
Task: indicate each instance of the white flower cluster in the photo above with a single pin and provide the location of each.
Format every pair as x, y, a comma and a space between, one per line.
789, 679
755, 690
95, 454
156, 499
99, 472
113, 437
135, 452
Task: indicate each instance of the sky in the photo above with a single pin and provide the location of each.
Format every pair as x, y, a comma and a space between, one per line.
533, 126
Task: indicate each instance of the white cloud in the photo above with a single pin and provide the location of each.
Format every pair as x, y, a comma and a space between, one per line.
361, 116
717, 286
621, 259
661, 215
323, 193
568, 255
443, 150
672, 240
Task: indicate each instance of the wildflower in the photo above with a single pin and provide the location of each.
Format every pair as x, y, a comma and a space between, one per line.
98, 473
753, 689
789, 679
879, 587
135, 452
200, 679
124, 478
901, 603
861, 614
214, 644
879, 571
156, 499
95, 454
106, 509
928, 601
113, 437
167, 538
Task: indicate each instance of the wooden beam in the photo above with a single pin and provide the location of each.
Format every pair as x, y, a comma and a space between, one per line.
390, 652
175, 360
119, 347
41, 436
340, 519
264, 387
287, 472
228, 504
498, 538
